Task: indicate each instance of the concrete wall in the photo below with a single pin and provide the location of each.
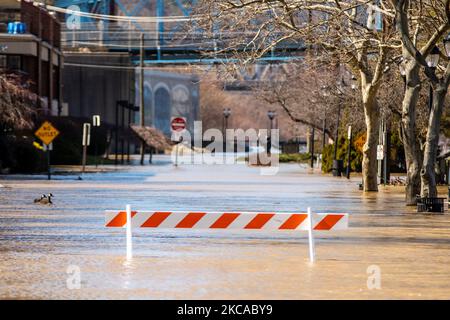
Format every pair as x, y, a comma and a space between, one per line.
92, 85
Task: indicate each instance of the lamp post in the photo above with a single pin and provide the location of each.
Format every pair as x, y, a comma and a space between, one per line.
226, 115
271, 114
432, 61
447, 45
349, 136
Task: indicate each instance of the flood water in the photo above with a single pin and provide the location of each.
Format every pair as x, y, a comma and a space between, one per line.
39, 244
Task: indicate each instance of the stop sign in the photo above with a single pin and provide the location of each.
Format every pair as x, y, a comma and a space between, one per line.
178, 124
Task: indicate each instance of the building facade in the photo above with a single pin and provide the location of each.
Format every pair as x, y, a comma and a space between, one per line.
35, 52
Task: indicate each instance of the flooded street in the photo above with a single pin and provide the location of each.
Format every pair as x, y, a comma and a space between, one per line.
38, 243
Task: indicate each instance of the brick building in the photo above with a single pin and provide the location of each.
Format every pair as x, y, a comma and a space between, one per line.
35, 53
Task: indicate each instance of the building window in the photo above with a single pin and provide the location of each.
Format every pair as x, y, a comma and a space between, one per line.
2, 61
14, 63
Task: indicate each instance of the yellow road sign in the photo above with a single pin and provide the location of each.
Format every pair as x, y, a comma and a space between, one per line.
47, 133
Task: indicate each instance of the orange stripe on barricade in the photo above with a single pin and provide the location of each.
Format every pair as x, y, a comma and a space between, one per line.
328, 222
120, 219
190, 220
155, 219
259, 221
224, 221
293, 221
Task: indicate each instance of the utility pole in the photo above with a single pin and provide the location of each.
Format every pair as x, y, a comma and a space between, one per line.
141, 95
85, 142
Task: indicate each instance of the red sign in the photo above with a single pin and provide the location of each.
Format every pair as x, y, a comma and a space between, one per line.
178, 124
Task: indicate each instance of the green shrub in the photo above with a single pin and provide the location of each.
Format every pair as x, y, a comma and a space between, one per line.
20, 156
294, 157
355, 155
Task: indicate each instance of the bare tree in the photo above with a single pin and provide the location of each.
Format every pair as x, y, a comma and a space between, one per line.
421, 25
337, 29
16, 102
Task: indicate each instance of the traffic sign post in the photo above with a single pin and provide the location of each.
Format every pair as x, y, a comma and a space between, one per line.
86, 142
47, 133
177, 125
95, 123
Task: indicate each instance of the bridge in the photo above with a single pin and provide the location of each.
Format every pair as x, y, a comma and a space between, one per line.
116, 26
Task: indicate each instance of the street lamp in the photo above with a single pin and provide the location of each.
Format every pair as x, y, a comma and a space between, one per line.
226, 115
432, 62
447, 45
354, 85
433, 58
271, 114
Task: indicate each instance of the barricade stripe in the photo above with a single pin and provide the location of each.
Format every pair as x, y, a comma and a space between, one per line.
328, 222
259, 221
155, 219
293, 221
224, 221
190, 220
120, 219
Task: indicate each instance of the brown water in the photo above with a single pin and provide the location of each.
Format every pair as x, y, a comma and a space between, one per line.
38, 243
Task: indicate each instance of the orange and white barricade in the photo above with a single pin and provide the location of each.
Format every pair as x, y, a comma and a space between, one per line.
226, 221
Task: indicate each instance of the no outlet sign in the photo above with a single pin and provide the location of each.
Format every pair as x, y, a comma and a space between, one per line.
178, 124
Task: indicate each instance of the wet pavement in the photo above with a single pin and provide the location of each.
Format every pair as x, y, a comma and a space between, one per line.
38, 243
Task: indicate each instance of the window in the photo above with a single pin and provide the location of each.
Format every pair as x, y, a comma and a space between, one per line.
13, 62
2, 61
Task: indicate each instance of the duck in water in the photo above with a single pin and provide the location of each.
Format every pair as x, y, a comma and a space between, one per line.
44, 199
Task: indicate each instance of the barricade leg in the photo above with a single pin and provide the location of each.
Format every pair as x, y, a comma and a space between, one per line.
129, 234
311, 237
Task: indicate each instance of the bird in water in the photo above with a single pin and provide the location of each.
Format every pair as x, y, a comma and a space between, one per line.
39, 199
44, 199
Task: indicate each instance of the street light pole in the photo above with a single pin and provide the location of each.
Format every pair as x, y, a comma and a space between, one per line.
141, 95
226, 114
337, 132
271, 114
349, 151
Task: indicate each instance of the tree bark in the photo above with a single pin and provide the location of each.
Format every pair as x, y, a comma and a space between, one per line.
372, 117
411, 145
428, 177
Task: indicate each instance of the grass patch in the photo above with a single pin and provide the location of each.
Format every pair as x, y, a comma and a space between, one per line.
295, 157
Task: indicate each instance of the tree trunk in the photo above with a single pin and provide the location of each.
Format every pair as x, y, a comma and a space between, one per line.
409, 135
372, 117
427, 173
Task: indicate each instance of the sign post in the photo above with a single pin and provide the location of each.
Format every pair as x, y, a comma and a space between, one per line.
47, 133
86, 142
177, 125
95, 123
